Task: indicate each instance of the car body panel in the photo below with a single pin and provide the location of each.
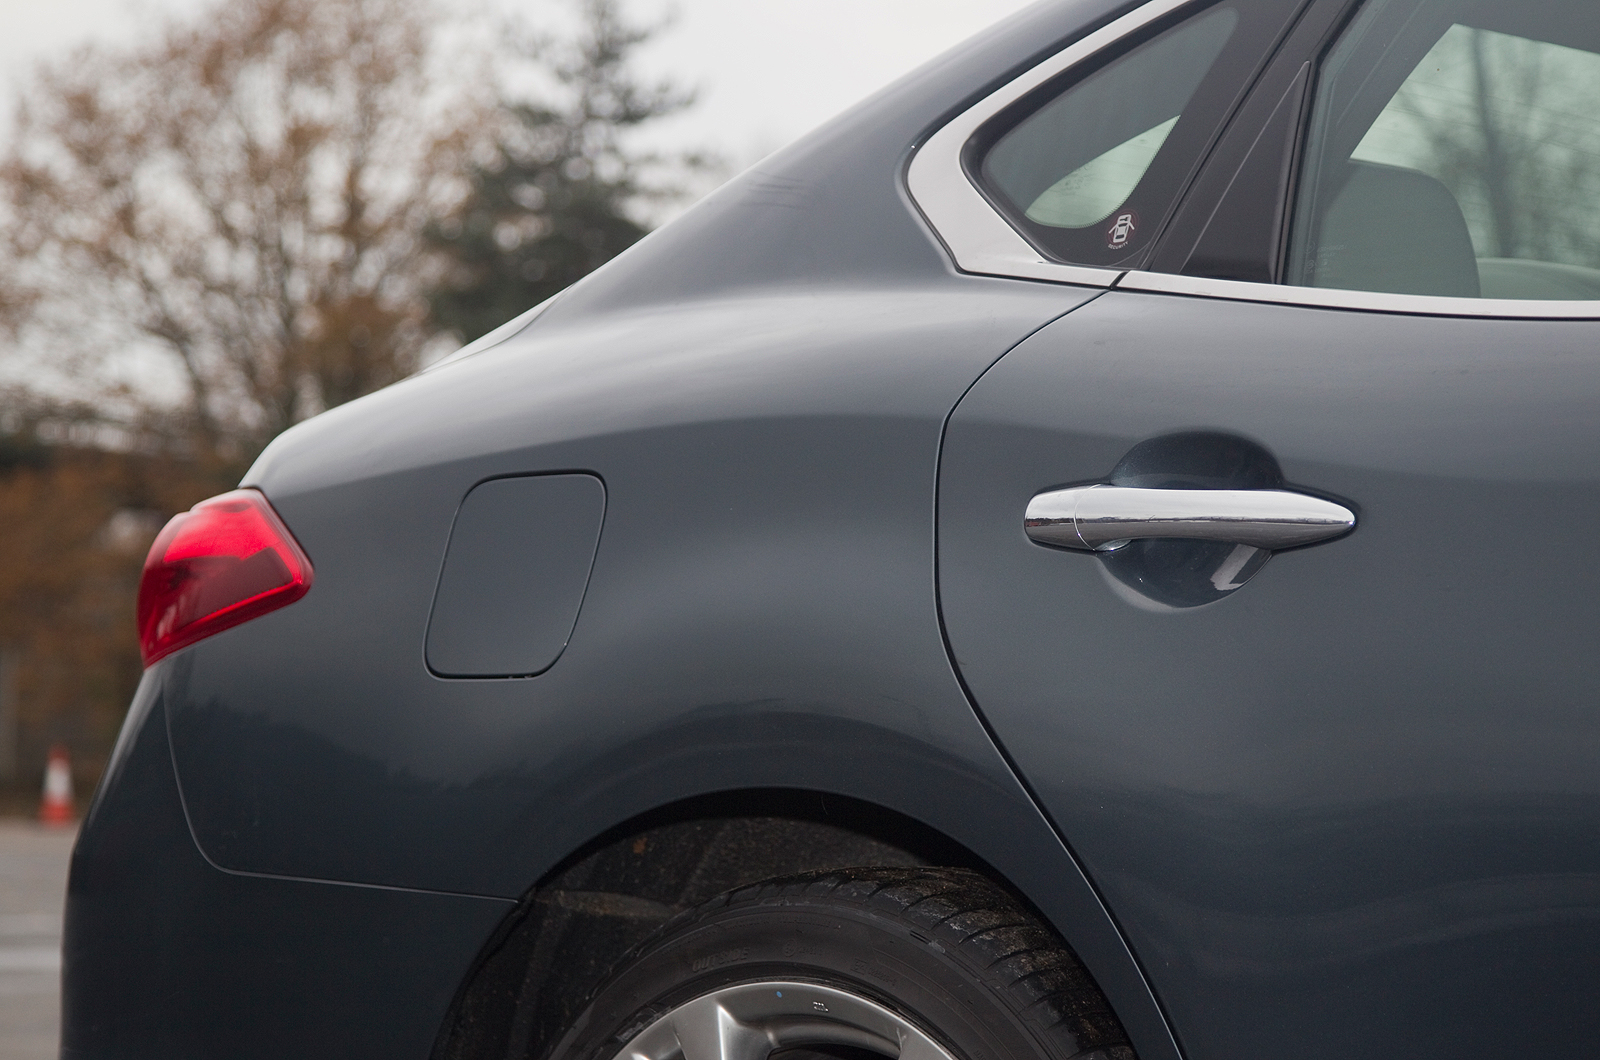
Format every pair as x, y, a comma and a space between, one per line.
761, 612
166, 956
1351, 808
766, 568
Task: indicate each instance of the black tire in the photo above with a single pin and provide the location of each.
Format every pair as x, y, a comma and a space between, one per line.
943, 949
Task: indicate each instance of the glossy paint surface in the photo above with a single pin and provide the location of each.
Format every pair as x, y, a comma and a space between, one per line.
167, 956
761, 603
761, 612
514, 575
1350, 809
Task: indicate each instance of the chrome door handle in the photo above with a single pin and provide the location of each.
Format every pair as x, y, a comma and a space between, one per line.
1104, 518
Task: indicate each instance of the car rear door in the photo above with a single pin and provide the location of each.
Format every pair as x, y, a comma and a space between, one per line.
1343, 797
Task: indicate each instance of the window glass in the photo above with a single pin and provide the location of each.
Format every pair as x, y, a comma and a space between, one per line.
1455, 150
1088, 194
1071, 171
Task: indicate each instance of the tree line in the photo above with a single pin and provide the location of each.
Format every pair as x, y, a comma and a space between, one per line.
263, 211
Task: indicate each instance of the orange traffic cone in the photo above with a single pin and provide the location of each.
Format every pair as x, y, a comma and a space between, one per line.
56, 807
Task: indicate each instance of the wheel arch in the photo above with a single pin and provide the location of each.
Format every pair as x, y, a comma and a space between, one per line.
613, 892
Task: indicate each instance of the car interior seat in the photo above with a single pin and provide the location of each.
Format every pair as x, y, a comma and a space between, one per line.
1546, 280
1396, 230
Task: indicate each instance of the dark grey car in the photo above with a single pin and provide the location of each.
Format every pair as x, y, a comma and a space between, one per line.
1092, 553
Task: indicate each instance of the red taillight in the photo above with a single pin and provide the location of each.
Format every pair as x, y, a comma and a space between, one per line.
225, 561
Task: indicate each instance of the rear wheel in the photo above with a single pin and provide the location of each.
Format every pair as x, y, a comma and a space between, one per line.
920, 964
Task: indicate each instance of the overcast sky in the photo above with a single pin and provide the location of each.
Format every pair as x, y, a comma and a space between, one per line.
768, 70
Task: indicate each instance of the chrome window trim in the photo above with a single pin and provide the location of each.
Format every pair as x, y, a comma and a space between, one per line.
980, 240
1367, 301
978, 237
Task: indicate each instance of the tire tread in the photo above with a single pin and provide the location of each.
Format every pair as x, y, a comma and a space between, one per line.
966, 914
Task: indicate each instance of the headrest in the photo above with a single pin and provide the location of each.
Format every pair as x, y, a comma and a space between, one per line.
1396, 230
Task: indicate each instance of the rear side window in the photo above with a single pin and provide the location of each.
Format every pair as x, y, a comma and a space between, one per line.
1455, 150
1089, 171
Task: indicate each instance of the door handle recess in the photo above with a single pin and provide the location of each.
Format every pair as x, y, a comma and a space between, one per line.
1104, 518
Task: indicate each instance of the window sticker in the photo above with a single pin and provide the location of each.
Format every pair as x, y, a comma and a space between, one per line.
1122, 230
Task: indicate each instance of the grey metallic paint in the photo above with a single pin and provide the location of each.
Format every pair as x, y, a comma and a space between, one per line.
514, 575
1351, 809
165, 956
1348, 810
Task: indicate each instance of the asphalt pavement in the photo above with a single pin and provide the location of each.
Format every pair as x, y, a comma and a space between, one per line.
33, 880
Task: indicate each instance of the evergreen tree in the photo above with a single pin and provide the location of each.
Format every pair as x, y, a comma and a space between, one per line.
553, 204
